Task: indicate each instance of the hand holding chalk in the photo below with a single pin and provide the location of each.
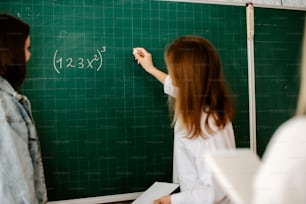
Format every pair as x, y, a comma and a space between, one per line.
138, 51
144, 58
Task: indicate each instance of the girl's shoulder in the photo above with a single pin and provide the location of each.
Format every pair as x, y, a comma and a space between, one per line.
296, 121
294, 126
289, 139
283, 165
10, 107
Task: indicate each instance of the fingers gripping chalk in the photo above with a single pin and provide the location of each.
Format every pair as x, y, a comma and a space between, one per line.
135, 52
138, 52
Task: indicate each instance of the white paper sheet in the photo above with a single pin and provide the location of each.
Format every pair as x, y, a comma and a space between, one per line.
235, 171
157, 190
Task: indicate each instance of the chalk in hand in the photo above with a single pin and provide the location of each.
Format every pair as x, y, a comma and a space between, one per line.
138, 52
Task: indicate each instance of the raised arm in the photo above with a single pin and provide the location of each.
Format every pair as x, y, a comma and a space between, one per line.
144, 58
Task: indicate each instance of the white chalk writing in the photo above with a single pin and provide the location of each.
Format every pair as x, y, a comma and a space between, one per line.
93, 62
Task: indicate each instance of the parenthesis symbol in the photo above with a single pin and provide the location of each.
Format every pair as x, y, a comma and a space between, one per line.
54, 64
101, 60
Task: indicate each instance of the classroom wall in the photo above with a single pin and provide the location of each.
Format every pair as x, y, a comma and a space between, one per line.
279, 4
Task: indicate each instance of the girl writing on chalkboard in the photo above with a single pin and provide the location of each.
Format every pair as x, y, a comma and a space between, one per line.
21, 170
202, 114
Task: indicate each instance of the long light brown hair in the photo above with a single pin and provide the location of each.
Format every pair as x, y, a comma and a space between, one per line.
195, 68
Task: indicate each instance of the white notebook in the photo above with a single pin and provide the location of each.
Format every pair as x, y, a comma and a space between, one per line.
235, 171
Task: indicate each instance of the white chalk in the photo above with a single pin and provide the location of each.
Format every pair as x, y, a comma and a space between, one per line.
135, 51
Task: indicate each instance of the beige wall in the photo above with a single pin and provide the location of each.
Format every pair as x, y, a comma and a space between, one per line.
286, 4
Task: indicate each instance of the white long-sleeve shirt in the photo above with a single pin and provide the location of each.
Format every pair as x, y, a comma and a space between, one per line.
281, 178
189, 167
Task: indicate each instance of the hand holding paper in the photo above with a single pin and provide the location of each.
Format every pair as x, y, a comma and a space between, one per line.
156, 191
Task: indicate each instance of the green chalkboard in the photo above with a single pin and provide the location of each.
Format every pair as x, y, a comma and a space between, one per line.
278, 45
103, 122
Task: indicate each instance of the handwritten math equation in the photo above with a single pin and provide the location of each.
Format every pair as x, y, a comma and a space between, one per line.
93, 62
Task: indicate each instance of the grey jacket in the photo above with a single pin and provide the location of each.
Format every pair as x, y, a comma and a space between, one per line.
21, 171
